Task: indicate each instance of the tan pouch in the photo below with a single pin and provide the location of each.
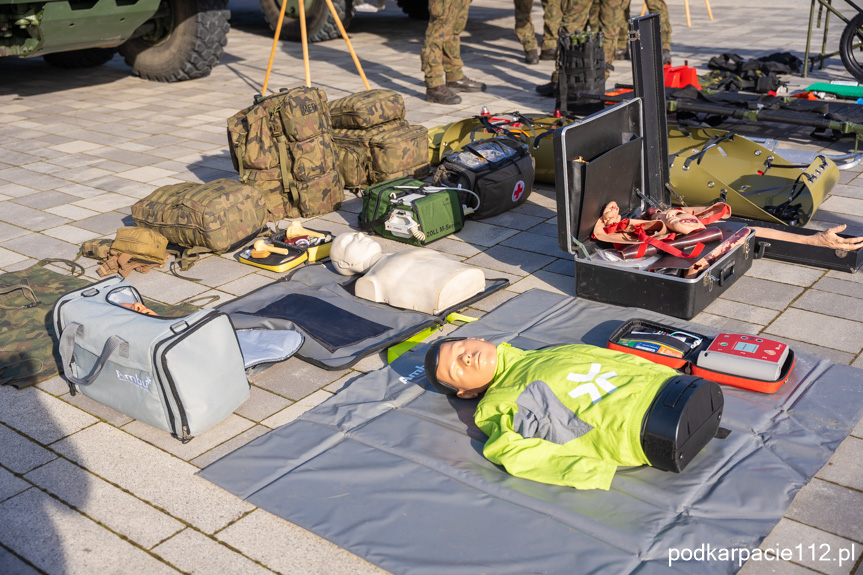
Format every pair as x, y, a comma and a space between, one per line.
142, 243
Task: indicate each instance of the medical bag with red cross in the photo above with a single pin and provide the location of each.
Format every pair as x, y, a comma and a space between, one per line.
495, 175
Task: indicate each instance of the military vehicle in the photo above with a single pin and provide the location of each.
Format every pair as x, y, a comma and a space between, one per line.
163, 40
320, 24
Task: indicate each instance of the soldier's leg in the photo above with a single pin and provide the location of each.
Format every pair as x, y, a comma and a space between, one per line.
622, 35
452, 62
661, 8
551, 19
593, 19
575, 16
524, 29
431, 54
610, 20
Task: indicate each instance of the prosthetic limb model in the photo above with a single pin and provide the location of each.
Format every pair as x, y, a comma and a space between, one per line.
570, 415
418, 279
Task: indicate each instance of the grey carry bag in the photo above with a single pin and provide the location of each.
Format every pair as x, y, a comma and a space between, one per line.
182, 375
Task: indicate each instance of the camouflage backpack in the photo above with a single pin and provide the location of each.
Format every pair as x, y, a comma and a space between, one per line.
283, 146
366, 109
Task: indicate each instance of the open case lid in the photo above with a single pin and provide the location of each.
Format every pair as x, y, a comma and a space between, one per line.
619, 154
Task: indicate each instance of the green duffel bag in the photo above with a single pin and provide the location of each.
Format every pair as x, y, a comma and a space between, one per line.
408, 210
384, 152
366, 109
217, 216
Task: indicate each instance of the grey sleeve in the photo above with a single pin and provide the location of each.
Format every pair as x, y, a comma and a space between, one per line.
541, 414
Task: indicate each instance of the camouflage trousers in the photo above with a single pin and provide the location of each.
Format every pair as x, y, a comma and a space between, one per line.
576, 14
552, 16
524, 26
653, 7
441, 53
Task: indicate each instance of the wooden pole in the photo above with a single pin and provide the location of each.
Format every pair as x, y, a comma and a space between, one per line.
688, 18
275, 43
644, 9
348, 42
709, 11
305, 41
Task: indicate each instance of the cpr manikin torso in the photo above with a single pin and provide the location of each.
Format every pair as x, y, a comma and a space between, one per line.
417, 279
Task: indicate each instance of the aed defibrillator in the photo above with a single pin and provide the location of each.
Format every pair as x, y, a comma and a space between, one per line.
747, 361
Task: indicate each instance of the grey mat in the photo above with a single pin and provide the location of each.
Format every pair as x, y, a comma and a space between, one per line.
395, 473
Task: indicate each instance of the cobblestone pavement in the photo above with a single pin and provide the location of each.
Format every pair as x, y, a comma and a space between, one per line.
84, 489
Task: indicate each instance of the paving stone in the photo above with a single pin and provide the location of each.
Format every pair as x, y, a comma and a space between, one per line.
105, 203
79, 191
246, 284
21, 454
12, 565
261, 404
294, 378
483, 235
831, 304
371, 362
71, 234
450, 245
194, 553
490, 302
45, 200
295, 410
810, 547
8, 257
539, 243
845, 467
94, 408
230, 427
105, 224
33, 220
545, 281
227, 447
843, 205
41, 246
215, 271
762, 293
11, 485
57, 539
515, 220
283, 546
343, 382
741, 311
784, 273
830, 508
725, 323
152, 475
105, 503
39, 415
841, 286
841, 334
844, 276
71, 212
509, 260
165, 287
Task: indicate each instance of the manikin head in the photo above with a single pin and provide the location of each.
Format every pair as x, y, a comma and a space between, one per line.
354, 253
460, 366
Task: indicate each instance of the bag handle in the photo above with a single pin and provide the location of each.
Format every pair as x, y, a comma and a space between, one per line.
67, 354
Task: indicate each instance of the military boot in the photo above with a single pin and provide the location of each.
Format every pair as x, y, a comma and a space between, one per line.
531, 57
548, 54
466, 85
442, 95
548, 90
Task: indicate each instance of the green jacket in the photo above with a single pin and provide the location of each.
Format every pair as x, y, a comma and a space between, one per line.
568, 415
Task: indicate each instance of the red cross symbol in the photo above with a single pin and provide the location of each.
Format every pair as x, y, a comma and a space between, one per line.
517, 190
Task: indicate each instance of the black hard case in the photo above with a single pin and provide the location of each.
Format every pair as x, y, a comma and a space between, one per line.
625, 153
796, 253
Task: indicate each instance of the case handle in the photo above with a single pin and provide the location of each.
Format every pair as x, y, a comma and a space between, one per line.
67, 354
726, 273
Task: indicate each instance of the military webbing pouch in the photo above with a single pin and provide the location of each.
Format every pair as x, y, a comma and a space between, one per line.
217, 216
498, 173
383, 152
182, 375
283, 146
96, 249
366, 109
407, 210
145, 245
581, 70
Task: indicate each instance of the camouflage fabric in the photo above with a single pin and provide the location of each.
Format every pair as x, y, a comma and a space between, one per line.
28, 352
217, 215
387, 151
96, 249
576, 14
282, 144
441, 52
552, 16
653, 7
524, 26
367, 109
143, 244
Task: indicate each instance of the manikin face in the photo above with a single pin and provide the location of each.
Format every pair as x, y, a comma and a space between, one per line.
468, 365
354, 253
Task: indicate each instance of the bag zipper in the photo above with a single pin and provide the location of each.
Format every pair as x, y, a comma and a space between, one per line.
184, 422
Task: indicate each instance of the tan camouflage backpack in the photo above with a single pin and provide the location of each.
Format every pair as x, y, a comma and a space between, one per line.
283, 146
374, 142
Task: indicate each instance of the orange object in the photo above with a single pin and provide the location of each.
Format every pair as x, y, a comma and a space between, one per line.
680, 76
617, 92
139, 307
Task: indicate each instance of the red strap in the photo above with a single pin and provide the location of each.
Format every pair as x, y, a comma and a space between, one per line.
662, 246
618, 227
726, 211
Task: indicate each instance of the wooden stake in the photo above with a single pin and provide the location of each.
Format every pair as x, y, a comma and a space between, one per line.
275, 43
348, 42
304, 40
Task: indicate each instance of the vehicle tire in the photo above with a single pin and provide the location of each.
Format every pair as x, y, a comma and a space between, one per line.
87, 58
415, 9
852, 57
320, 24
186, 42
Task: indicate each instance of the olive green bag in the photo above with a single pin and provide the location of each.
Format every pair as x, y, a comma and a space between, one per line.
283, 146
216, 217
367, 109
383, 152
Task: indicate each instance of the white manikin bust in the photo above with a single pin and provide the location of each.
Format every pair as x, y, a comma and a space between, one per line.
418, 279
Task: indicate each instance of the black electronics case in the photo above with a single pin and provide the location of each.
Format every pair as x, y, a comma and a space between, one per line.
621, 154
